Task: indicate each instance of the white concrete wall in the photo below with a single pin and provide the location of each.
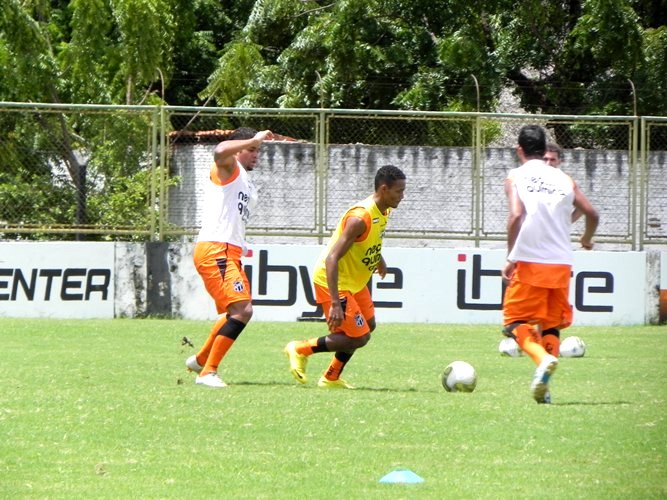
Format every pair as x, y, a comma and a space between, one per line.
424, 285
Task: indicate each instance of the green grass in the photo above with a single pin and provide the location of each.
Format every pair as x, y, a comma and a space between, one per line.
105, 409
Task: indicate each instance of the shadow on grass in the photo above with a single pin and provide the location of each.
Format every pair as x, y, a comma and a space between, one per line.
267, 384
592, 403
314, 386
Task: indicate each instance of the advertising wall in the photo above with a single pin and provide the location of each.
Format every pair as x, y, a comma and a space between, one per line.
106, 280
57, 280
448, 285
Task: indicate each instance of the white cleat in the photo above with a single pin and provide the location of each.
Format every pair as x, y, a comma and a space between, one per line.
210, 380
540, 385
192, 364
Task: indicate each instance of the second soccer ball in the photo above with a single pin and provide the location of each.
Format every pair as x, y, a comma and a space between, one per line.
459, 376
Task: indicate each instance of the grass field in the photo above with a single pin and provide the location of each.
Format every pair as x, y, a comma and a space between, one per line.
105, 409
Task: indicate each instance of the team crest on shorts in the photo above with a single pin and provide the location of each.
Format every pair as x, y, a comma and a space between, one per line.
238, 286
359, 320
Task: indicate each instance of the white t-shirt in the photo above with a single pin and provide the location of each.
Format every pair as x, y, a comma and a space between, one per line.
548, 195
227, 209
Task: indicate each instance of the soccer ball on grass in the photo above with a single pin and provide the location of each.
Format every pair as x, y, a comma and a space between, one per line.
459, 376
572, 347
509, 347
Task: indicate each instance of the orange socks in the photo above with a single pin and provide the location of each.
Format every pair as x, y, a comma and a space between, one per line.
311, 346
551, 344
221, 345
223, 335
333, 372
529, 340
203, 353
337, 364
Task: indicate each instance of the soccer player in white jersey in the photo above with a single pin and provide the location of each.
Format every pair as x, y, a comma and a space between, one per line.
229, 198
539, 262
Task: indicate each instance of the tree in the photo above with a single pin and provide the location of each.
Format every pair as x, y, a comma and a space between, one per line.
559, 57
83, 51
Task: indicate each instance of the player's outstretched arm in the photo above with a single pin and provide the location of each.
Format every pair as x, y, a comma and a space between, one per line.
582, 204
226, 150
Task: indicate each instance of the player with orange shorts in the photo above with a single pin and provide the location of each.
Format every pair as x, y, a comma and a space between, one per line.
341, 277
539, 262
229, 198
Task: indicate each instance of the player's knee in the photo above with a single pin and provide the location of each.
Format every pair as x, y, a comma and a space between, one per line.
232, 328
241, 311
358, 342
551, 331
508, 331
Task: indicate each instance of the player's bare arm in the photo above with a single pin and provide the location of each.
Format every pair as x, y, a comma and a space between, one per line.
382, 268
514, 222
354, 227
225, 152
582, 204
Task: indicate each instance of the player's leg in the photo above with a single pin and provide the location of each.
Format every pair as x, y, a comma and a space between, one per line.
338, 341
362, 309
524, 304
559, 317
551, 341
522, 310
223, 276
227, 334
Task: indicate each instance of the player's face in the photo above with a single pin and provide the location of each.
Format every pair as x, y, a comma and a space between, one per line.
394, 194
248, 158
551, 158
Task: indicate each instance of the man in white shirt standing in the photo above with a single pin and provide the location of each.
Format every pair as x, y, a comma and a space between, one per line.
229, 198
539, 262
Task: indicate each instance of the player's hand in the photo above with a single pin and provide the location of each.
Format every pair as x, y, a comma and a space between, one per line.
381, 269
336, 317
586, 244
264, 135
508, 271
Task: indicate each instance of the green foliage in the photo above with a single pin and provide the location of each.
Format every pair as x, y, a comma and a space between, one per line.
84, 52
112, 413
558, 57
228, 85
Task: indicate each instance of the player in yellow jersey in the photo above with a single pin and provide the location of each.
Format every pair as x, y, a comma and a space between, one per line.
341, 276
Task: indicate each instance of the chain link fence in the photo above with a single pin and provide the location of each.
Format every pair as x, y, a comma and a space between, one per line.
70, 172
653, 217
136, 173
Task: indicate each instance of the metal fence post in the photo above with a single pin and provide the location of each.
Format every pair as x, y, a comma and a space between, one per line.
163, 205
477, 178
321, 161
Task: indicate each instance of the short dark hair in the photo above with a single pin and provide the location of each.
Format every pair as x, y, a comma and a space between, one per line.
388, 174
533, 140
555, 148
242, 133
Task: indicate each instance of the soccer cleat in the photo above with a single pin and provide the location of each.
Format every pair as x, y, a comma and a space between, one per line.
297, 363
193, 365
210, 380
540, 385
333, 384
546, 400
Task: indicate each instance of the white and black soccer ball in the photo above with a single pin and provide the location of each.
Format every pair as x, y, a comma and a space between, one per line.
459, 376
509, 347
572, 347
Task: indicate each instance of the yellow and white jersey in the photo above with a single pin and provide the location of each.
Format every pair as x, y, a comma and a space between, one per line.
358, 264
227, 207
548, 195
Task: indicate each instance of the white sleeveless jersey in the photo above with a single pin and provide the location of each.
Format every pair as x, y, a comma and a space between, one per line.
227, 208
548, 195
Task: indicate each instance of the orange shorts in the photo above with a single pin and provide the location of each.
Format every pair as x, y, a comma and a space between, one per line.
219, 265
358, 309
527, 300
